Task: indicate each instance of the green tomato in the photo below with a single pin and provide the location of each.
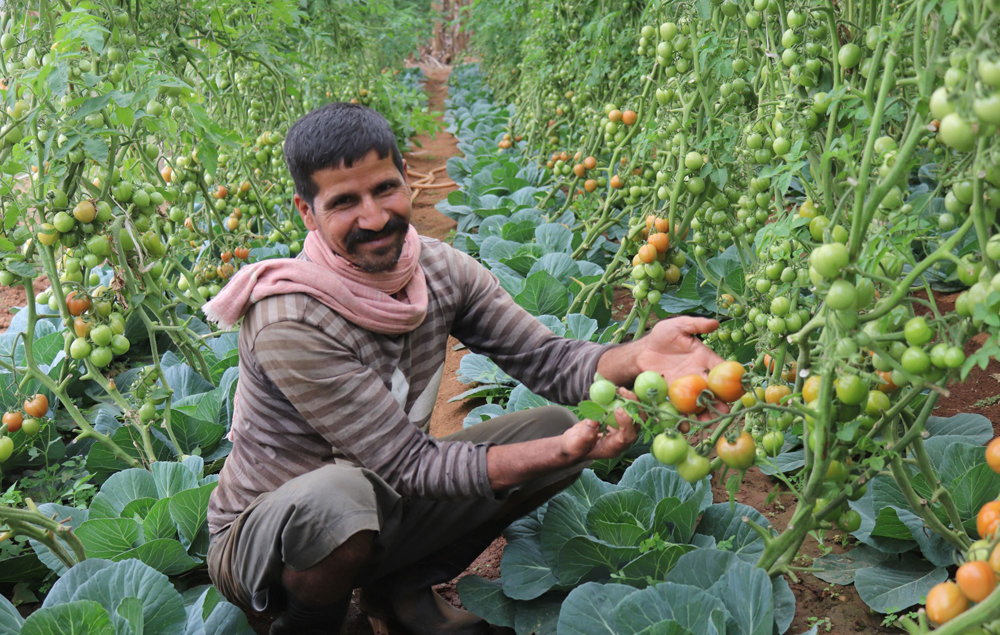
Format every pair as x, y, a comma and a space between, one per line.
117, 323
852, 390
101, 335
915, 361
669, 449
6, 448
650, 386
603, 392
773, 442
119, 344
956, 133
694, 467
836, 472
917, 331
829, 259
954, 358
31, 426
849, 55
101, 356
841, 296
80, 348
147, 411
849, 522
878, 402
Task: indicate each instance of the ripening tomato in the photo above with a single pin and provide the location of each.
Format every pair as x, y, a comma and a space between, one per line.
726, 381
647, 253
773, 441
993, 455
37, 406
995, 560
77, 303
776, 392
660, 241
887, 385
684, 392
988, 519
976, 580
13, 420
945, 602
739, 454
810, 389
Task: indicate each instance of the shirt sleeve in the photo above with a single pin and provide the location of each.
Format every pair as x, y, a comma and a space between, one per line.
488, 321
349, 405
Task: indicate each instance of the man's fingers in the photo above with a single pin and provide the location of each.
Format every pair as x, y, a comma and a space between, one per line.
625, 393
696, 325
624, 419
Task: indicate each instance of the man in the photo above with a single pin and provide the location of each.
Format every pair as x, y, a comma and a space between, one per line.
333, 482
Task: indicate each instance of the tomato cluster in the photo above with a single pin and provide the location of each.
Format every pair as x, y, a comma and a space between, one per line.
36, 408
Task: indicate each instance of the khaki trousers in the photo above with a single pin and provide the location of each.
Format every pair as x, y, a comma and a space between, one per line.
420, 540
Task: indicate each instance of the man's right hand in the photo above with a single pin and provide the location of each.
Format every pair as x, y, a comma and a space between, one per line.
583, 442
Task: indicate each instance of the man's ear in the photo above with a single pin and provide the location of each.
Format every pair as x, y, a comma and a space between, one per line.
406, 178
305, 211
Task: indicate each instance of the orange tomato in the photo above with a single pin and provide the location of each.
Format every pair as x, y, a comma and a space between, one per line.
647, 253
590, 185
995, 560
810, 389
660, 241
578, 169
776, 392
976, 580
993, 455
726, 381
226, 256
988, 519
684, 392
945, 602
13, 420
590, 163
629, 117
887, 386
77, 303
37, 406
616, 182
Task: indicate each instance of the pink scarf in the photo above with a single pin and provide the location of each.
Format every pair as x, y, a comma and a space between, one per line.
362, 298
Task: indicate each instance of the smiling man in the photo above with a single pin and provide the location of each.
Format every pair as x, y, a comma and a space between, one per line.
333, 482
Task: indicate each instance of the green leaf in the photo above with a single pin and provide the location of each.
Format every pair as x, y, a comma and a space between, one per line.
108, 537
486, 599
84, 617
841, 568
158, 522
189, 510
10, 619
171, 478
109, 583
163, 554
71, 517
543, 294
526, 575
591, 410
894, 585
590, 609
620, 517
723, 521
120, 490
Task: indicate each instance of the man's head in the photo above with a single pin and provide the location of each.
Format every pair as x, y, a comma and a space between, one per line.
350, 183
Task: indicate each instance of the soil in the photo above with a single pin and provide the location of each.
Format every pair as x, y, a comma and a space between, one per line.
13, 297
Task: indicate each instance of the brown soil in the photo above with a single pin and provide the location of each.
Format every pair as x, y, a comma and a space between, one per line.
13, 297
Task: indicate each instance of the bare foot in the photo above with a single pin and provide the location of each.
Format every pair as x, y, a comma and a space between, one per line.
376, 610
379, 625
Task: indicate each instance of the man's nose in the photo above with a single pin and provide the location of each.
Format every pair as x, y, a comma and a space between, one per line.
372, 216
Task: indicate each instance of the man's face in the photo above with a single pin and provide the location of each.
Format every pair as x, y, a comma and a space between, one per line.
362, 212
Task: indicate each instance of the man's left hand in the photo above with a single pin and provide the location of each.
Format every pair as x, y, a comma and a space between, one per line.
674, 349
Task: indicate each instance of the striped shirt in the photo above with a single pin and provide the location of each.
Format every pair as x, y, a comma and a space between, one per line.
315, 388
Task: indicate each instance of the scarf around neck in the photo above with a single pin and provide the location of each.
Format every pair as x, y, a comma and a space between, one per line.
362, 298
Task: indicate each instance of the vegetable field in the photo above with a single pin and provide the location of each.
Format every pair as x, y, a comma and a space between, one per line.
820, 176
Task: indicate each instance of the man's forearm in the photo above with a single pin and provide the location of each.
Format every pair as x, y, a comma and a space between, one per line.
618, 365
516, 463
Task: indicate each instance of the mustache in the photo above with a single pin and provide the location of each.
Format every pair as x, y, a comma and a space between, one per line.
395, 225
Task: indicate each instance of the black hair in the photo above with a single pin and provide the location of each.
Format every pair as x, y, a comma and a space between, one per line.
336, 135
